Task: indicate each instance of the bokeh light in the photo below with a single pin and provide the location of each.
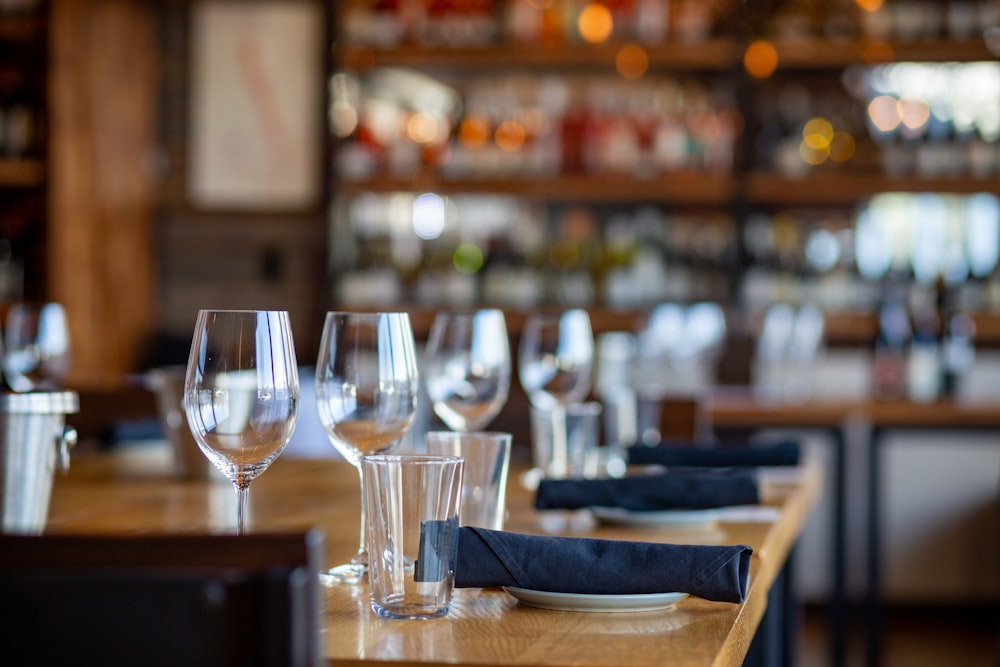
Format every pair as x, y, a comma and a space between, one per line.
595, 23
914, 112
814, 156
817, 133
869, 5
883, 111
468, 258
842, 146
423, 128
760, 59
509, 135
428, 216
474, 131
632, 62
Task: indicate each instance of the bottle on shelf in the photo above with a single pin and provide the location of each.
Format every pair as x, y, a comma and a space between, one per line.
891, 344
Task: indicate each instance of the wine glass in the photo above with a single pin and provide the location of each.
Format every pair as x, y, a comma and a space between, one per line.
366, 395
468, 368
556, 358
241, 393
36, 346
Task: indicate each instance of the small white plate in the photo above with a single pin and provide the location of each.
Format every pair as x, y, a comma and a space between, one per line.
616, 516
585, 602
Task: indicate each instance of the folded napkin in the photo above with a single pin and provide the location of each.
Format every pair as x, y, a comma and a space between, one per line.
488, 558
679, 489
777, 454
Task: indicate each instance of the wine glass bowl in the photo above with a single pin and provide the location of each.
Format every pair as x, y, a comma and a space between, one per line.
366, 396
241, 393
556, 357
36, 349
468, 368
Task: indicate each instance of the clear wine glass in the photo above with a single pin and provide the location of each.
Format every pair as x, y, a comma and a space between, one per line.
467, 364
36, 346
556, 358
366, 395
241, 393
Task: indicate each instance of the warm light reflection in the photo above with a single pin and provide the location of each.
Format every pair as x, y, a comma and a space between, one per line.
869, 5
509, 135
814, 156
817, 133
842, 146
883, 111
760, 59
474, 131
632, 62
595, 23
876, 53
914, 112
422, 128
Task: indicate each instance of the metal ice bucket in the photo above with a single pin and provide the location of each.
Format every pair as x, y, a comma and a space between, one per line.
33, 441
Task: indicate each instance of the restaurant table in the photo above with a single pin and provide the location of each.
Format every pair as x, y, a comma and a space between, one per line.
130, 491
741, 410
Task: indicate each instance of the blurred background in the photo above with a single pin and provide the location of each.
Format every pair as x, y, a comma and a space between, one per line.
799, 196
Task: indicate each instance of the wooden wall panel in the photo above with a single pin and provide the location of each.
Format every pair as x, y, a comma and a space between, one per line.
103, 84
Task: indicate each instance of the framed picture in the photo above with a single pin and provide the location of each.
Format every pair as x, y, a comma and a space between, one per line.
255, 116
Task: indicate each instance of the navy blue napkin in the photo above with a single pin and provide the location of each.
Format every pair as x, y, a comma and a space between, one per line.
489, 558
776, 454
682, 489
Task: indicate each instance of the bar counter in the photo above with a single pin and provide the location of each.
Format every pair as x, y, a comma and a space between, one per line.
130, 492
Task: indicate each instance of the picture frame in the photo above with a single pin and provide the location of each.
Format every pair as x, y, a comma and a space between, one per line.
255, 106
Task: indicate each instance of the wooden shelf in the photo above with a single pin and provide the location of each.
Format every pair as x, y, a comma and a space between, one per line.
677, 188
713, 54
602, 319
847, 188
823, 54
21, 173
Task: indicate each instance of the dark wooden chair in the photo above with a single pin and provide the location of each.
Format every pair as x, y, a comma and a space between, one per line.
240, 601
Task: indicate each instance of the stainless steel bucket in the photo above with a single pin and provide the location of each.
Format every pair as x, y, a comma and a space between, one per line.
33, 441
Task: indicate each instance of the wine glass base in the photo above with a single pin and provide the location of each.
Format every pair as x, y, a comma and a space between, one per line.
349, 573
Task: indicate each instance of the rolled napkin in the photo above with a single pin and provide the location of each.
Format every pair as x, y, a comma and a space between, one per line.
488, 558
777, 454
685, 489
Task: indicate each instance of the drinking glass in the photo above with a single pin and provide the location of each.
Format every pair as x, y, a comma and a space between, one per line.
241, 393
366, 396
36, 346
468, 368
556, 358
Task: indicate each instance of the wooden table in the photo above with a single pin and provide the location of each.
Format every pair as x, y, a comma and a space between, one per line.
130, 492
740, 409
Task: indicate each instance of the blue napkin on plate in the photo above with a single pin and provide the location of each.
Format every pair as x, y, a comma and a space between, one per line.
489, 558
674, 455
679, 489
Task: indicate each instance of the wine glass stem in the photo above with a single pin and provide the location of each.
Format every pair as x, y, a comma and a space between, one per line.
242, 493
362, 555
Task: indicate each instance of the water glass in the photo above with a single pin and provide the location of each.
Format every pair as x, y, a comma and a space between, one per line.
564, 440
411, 509
484, 482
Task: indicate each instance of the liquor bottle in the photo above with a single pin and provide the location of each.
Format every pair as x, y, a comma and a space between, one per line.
891, 344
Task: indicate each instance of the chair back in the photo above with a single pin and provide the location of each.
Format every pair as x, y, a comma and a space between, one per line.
189, 600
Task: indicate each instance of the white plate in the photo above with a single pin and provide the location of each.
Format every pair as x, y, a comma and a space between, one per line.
584, 602
617, 516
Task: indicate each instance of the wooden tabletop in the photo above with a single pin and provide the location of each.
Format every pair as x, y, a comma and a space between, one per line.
131, 492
